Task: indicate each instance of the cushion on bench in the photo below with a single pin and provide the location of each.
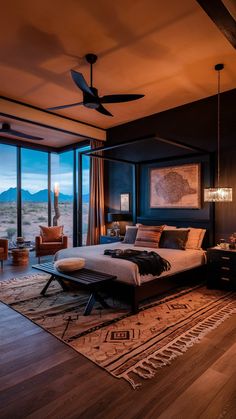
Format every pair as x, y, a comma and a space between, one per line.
69, 264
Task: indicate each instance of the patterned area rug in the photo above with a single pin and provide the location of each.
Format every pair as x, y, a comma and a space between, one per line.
127, 346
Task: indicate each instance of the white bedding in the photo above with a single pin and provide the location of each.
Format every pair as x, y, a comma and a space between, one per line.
126, 271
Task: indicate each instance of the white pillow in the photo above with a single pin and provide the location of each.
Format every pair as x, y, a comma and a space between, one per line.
69, 264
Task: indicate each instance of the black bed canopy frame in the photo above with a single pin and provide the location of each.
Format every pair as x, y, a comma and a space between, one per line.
137, 294
191, 152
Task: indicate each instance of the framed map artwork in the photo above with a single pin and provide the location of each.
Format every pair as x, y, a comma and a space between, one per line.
176, 186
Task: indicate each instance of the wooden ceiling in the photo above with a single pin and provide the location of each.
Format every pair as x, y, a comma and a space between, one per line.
51, 137
163, 49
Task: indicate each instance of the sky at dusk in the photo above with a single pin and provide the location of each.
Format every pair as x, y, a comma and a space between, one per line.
34, 166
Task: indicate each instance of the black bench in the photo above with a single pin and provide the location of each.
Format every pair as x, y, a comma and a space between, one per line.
93, 281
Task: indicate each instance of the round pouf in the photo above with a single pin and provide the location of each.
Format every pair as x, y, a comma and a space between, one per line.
69, 264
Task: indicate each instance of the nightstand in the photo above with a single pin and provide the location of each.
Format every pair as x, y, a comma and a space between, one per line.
221, 268
110, 239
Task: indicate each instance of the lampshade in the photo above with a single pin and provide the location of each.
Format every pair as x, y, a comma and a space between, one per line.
118, 216
218, 195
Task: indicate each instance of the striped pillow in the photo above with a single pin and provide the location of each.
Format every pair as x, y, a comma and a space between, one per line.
148, 236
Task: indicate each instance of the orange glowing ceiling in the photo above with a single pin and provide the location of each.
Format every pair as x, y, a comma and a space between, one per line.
163, 49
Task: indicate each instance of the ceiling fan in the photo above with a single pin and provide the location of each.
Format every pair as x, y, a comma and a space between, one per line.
90, 93
6, 129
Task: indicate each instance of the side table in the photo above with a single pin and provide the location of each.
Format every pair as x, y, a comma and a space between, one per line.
110, 239
221, 268
20, 257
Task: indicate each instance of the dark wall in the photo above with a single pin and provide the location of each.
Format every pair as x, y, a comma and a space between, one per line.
195, 124
118, 179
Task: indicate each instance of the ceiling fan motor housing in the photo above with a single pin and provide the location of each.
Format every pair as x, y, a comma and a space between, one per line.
90, 101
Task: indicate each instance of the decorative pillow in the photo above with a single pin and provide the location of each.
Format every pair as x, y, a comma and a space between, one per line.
51, 234
130, 234
195, 237
166, 227
174, 239
69, 264
148, 236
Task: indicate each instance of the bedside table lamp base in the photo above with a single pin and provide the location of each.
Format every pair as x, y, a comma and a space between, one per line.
115, 218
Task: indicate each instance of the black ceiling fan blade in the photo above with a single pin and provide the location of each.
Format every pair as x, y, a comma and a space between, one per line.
104, 111
54, 108
81, 82
21, 134
119, 98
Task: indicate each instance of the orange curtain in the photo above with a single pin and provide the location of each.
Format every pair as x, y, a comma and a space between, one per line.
96, 220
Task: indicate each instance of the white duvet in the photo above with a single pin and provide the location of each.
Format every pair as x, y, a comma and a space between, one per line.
126, 271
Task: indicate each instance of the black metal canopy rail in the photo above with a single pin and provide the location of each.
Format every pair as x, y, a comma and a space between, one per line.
178, 144
193, 152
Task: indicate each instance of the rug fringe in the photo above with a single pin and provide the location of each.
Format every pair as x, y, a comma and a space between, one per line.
135, 385
148, 367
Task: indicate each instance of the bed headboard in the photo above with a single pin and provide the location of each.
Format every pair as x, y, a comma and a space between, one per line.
207, 224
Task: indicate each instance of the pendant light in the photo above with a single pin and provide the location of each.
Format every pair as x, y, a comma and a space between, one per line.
218, 194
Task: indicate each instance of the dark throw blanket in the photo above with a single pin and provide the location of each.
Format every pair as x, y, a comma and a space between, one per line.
148, 262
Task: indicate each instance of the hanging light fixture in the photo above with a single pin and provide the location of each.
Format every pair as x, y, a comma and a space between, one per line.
218, 194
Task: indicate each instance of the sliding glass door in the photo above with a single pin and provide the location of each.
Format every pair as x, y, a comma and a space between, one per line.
34, 192
29, 181
62, 169
8, 192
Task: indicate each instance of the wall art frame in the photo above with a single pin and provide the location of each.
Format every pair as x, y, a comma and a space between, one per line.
125, 202
176, 186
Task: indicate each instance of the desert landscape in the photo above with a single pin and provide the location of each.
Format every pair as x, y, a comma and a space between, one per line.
35, 214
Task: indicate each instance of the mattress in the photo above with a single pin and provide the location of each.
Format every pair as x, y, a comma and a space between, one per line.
126, 271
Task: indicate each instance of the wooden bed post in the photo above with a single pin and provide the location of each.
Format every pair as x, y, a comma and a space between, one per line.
135, 301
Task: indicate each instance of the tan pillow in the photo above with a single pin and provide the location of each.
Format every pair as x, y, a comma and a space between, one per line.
69, 264
166, 227
195, 237
148, 236
51, 234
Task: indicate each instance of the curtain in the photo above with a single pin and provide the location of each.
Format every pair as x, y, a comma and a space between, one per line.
96, 219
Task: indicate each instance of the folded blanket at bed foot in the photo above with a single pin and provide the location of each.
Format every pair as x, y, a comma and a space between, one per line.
148, 262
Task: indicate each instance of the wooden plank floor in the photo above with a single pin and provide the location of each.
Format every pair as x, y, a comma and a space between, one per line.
41, 377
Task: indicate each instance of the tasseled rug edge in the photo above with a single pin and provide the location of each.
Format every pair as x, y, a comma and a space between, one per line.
148, 367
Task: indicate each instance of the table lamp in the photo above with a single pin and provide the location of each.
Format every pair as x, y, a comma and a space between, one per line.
116, 218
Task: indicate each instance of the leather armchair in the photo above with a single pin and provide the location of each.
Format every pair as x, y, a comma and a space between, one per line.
3, 250
43, 248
